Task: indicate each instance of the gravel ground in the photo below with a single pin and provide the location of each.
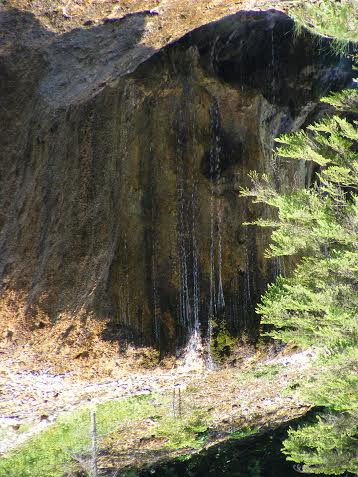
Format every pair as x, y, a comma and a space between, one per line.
31, 400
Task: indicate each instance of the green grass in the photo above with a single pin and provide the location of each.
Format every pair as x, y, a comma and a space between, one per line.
329, 18
51, 453
222, 343
244, 432
25, 427
265, 372
183, 458
184, 432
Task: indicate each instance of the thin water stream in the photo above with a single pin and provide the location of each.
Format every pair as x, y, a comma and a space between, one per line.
217, 299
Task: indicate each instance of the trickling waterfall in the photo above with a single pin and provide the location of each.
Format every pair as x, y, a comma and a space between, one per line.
184, 299
212, 304
213, 53
190, 248
196, 282
124, 290
279, 267
273, 62
189, 297
220, 298
217, 300
194, 342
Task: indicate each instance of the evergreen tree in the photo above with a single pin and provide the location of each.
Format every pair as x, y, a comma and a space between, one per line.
336, 19
317, 305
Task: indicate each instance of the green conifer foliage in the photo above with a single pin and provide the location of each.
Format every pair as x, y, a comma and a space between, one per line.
336, 19
328, 445
317, 305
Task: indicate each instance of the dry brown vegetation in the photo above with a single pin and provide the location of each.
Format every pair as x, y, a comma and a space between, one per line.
171, 19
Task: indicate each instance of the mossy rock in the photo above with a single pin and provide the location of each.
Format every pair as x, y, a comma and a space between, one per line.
222, 343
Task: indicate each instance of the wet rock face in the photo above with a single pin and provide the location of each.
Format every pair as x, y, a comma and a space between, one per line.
124, 203
263, 53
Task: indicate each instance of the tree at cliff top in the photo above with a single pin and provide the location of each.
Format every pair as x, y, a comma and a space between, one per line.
318, 304
329, 18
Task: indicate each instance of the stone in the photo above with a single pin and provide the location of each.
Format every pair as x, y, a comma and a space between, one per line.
121, 165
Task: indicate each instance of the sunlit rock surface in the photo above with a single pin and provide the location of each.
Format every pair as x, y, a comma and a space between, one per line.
121, 163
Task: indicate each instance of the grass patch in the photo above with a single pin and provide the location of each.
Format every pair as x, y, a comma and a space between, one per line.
244, 432
50, 454
25, 427
183, 458
187, 431
265, 372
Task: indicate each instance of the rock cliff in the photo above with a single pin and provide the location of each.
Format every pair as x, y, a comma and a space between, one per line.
121, 162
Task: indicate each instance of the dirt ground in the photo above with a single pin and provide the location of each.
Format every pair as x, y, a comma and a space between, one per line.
34, 390
170, 18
